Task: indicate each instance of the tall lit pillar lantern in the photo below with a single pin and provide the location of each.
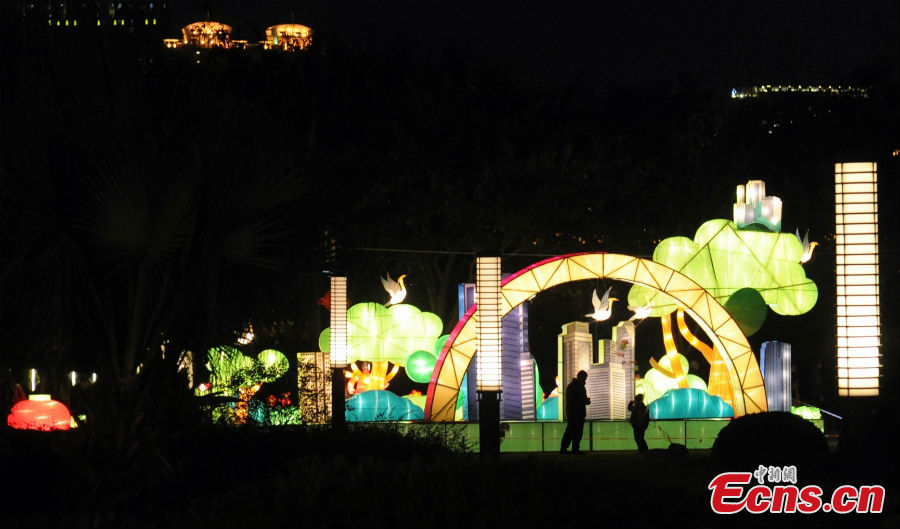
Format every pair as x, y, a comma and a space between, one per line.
489, 352
858, 303
338, 346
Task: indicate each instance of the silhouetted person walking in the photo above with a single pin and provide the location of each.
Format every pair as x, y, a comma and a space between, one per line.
640, 419
576, 403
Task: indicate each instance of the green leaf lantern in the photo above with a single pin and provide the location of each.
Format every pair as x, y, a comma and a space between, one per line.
748, 309
724, 259
379, 333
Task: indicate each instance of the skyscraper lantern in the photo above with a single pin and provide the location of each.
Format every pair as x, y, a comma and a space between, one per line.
754, 207
858, 302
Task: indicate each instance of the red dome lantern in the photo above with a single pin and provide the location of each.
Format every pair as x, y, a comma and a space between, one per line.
40, 413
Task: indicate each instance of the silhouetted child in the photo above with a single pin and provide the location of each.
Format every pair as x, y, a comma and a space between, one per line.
640, 419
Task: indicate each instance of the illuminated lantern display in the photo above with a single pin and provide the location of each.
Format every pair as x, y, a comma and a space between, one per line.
314, 384
754, 207
418, 399
207, 35
274, 364
689, 403
419, 366
337, 338
489, 345
549, 410
395, 289
602, 306
719, 380
373, 375
380, 405
808, 247
610, 382
723, 259
288, 37
233, 374
40, 412
807, 412
672, 285
376, 333
858, 303
775, 364
519, 378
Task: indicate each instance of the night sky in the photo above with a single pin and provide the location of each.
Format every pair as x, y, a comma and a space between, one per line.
727, 43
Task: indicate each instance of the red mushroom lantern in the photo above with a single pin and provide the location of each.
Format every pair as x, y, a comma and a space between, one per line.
40, 412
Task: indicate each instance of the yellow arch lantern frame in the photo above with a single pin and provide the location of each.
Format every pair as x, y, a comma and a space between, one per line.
743, 369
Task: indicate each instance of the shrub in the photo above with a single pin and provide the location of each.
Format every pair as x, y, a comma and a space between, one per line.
772, 439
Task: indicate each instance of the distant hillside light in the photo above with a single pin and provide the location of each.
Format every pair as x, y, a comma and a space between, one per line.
288, 37
207, 35
285, 37
338, 322
858, 304
487, 296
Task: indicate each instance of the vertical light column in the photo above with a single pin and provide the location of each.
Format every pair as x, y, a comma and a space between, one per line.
858, 304
338, 346
489, 346
338, 322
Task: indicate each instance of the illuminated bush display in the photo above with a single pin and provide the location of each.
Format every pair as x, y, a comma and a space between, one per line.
233, 374
858, 304
689, 403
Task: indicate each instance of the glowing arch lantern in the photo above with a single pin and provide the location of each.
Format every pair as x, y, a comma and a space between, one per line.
749, 393
40, 412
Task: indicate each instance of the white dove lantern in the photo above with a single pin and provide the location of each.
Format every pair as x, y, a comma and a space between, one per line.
602, 306
808, 247
396, 289
640, 313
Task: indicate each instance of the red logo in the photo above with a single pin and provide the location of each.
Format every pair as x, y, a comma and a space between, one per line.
730, 495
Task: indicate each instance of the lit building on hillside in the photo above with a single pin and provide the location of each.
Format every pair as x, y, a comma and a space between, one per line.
207, 35
762, 90
288, 37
